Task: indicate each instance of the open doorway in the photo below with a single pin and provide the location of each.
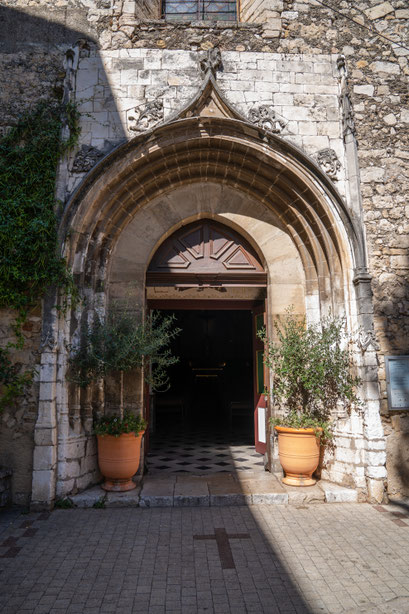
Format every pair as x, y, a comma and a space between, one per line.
204, 422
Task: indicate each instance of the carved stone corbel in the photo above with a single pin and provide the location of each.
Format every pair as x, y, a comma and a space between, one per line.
265, 117
366, 339
328, 160
48, 341
211, 62
86, 158
146, 116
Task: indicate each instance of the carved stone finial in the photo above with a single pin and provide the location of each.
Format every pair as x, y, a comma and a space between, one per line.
348, 116
367, 338
265, 117
86, 158
211, 62
341, 63
146, 116
345, 102
328, 160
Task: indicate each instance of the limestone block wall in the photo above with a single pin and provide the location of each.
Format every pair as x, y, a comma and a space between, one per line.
377, 72
5, 487
115, 87
373, 37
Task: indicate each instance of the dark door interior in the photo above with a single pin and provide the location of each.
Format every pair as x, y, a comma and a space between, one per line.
212, 385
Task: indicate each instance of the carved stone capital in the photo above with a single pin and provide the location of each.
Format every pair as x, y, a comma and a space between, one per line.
265, 117
328, 160
361, 276
146, 116
86, 158
211, 62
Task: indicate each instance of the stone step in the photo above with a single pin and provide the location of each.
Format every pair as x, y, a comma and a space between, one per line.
243, 488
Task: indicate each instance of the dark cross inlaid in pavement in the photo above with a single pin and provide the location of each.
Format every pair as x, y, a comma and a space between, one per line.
396, 516
223, 545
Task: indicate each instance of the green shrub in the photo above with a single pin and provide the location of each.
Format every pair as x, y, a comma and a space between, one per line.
311, 371
113, 425
122, 342
29, 258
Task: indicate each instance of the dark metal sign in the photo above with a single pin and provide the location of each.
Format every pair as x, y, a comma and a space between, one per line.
397, 381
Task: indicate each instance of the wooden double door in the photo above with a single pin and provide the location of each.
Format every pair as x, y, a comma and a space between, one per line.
220, 378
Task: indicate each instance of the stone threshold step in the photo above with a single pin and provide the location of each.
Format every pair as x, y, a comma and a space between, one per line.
215, 490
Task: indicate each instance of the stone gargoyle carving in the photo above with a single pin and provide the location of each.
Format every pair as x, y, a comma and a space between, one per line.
211, 62
328, 160
146, 116
265, 117
86, 158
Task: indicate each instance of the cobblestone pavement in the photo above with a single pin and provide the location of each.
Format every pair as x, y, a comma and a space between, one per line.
274, 559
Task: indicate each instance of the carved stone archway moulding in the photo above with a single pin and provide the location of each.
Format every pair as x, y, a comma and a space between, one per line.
207, 143
210, 117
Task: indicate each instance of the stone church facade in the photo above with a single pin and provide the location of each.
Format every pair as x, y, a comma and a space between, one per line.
287, 123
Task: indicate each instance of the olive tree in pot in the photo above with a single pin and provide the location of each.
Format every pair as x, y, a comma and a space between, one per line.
311, 376
116, 344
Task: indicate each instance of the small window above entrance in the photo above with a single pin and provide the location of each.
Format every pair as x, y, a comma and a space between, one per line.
201, 10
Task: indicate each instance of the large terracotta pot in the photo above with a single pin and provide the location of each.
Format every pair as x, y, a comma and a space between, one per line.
299, 453
118, 459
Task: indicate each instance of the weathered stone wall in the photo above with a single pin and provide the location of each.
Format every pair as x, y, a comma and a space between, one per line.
115, 88
372, 35
17, 421
32, 46
5, 487
378, 70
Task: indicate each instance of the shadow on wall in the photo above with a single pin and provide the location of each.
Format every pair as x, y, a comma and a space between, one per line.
402, 463
391, 295
39, 29
37, 39
33, 44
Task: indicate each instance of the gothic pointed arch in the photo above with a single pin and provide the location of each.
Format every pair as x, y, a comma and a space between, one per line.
228, 152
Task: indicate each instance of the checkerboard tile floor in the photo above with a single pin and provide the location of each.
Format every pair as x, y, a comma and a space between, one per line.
198, 452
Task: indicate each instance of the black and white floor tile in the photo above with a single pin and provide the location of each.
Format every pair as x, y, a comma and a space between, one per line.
200, 453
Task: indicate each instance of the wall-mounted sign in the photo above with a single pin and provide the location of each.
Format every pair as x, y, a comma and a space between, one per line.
261, 414
397, 381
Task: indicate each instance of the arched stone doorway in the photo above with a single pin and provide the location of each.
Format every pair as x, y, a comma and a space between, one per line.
232, 173
215, 394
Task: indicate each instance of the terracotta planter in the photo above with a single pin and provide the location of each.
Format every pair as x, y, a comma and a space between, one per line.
118, 459
299, 453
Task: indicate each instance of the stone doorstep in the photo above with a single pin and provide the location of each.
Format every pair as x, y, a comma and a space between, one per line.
215, 491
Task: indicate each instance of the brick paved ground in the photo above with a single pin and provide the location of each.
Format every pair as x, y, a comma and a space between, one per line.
308, 558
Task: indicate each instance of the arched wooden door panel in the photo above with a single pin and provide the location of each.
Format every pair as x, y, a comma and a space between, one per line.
206, 253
